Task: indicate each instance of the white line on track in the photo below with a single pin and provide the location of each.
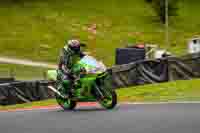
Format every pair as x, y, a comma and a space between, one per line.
183, 102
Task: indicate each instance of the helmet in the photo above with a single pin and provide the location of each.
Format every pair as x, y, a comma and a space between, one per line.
74, 45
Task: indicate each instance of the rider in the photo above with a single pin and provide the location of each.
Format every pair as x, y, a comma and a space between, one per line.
70, 54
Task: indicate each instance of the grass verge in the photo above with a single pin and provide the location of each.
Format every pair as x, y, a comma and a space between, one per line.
165, 92
30, 105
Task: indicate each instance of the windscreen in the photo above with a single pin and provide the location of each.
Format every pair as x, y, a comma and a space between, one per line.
89, 61
91, 64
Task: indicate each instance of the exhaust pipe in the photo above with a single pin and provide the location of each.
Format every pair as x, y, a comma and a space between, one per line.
56, 91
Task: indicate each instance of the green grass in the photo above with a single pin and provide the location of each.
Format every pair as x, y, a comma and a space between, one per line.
185, 26
29, 105
165, 92
21, 72
28, 24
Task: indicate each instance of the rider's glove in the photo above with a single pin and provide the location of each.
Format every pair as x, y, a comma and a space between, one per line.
83, 70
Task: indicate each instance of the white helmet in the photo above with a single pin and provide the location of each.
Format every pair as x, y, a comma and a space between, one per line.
73, 45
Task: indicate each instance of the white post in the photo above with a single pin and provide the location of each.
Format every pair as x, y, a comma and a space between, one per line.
167, 25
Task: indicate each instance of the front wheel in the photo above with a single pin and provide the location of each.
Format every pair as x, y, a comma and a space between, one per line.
109, 100
66, 104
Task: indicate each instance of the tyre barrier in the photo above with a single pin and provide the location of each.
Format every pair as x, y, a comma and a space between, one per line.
24, 91
156, 71
139, 73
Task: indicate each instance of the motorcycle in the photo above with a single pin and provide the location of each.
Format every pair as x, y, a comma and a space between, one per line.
93, 84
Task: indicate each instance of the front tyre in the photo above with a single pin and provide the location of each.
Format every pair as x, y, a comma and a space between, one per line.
66, 104
109, 102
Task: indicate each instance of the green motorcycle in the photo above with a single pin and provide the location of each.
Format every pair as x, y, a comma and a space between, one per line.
94, 84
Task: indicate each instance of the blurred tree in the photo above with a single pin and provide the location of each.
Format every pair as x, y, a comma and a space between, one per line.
159, 7
149, 1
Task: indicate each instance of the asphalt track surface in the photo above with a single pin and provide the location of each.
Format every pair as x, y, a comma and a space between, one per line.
149, 118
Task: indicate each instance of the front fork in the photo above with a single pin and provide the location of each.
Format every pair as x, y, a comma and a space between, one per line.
99, 92
104, 81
